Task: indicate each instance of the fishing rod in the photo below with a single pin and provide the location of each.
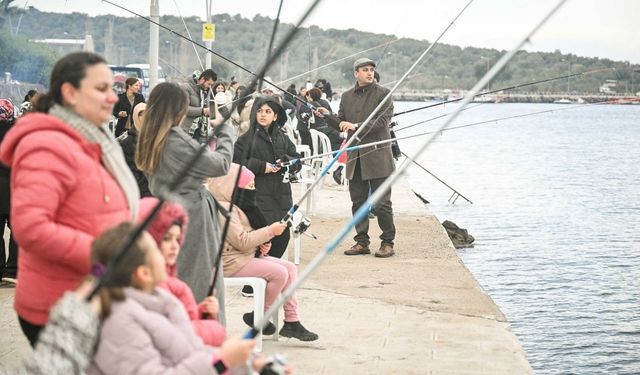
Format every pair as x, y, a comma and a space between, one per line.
364, 125
434, 118
505, 89
363, 211
166, 192
456, 194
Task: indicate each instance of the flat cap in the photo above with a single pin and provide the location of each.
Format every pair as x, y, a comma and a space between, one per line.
362, 62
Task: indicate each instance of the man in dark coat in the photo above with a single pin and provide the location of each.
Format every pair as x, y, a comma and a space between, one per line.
368, 167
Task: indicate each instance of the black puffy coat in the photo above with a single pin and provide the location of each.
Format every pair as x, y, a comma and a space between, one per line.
272, 195
123, 104
128, 145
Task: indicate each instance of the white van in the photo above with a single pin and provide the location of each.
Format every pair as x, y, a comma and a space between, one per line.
145, 73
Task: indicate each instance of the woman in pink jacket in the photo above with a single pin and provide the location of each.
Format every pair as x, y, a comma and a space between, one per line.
168, 229
69, 181
246, 249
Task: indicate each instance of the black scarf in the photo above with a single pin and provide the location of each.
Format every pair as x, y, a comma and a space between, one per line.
246, 201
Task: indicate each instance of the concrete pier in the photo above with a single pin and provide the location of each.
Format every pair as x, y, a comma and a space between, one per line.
419, 312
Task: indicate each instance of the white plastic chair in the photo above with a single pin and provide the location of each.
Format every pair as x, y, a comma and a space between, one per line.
259, 286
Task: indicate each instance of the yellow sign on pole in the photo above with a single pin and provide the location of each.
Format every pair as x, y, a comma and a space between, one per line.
208, 32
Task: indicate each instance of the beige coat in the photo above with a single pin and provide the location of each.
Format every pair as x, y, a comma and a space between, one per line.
242, 240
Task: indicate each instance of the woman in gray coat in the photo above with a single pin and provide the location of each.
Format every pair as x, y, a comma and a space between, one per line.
164, 148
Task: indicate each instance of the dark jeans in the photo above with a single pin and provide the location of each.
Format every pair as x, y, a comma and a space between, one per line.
359, 192
279, 244
8, 266
30, 330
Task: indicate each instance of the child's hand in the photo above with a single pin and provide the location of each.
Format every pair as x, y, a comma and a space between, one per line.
264, 249
235, 351
277, 228
210, 306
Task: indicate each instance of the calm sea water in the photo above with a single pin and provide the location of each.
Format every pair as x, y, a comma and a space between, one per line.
556, 219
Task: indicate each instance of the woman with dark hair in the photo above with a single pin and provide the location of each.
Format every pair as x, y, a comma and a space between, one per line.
69, 182
123, 109
164, 148
27, 102
261, 149
8, 265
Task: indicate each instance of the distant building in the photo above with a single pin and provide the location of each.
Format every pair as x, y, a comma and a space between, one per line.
65, 46
609, 86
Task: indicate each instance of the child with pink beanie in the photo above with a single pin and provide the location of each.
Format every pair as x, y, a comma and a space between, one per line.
168, 230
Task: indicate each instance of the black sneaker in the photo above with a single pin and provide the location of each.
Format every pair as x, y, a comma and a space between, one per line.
269, 329
337, 176
297, 331
247, 291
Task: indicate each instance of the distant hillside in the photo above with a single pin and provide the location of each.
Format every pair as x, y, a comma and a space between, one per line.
124, 40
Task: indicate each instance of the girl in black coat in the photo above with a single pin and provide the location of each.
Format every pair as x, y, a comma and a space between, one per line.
260, 149
126, 102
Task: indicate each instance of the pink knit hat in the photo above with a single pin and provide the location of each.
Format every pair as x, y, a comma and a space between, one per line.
171, 213
246, 176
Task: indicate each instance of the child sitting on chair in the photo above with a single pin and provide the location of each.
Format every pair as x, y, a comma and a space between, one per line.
168, 231
242, 242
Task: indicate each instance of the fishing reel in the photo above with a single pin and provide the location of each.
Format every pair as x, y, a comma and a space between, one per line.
395, 147
290, 175
303, 225
276, 365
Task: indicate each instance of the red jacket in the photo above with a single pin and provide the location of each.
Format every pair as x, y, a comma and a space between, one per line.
61, 199
209, 330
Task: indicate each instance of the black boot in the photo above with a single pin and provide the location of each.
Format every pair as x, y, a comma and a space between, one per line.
269, 329
297, 331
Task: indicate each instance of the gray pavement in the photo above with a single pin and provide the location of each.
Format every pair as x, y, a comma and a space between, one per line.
419, 312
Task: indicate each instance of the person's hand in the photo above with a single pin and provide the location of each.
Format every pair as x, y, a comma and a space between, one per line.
277, 228
210, 306
264, 249
271, 168
235, 351
83, 291
122, 114
346, 126
219, 118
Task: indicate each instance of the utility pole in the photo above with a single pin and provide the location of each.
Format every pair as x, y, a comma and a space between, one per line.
154, 40
209, 44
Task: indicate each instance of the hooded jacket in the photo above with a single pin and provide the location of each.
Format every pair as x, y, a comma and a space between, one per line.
149, 333
273, 196
242, 240
209, 330
62, 198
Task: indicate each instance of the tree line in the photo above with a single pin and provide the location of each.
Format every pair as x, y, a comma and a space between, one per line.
124, 40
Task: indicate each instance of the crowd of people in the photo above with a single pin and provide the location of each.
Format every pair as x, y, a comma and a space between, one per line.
72, 189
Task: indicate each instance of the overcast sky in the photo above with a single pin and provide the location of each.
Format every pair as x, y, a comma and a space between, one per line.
606, 29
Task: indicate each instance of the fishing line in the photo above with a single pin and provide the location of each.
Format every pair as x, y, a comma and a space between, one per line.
336, 61
285, 92
189, 34
273, 36
505, 89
